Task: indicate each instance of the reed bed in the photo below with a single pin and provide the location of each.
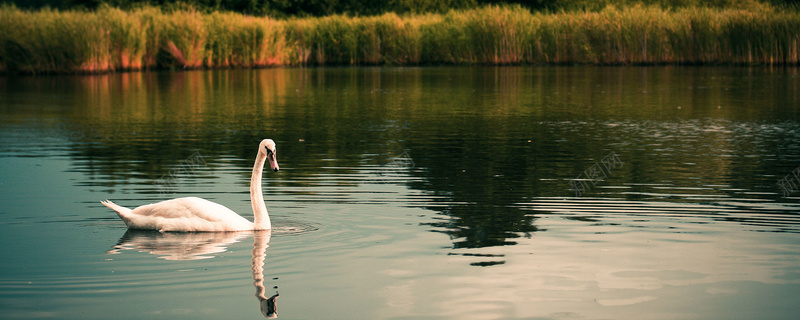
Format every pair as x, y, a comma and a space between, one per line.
109, 39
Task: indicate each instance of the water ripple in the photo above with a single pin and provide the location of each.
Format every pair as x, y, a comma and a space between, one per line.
755, 214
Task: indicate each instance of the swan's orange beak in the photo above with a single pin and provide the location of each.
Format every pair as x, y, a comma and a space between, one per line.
273, 163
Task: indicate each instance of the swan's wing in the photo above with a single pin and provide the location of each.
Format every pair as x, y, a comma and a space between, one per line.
187, 214
183, 208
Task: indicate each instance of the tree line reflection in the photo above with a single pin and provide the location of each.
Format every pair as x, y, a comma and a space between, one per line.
481, 139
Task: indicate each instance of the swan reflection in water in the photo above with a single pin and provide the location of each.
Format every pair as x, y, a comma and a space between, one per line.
203, 245
260, 244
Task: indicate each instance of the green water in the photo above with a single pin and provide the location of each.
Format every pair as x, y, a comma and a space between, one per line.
408, 193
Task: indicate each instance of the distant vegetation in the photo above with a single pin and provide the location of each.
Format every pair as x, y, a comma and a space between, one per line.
145, 37
320, 8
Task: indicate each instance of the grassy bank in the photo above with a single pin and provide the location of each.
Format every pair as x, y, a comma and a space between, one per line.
110, 39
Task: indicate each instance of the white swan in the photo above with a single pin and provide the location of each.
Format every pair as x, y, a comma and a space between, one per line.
196, 214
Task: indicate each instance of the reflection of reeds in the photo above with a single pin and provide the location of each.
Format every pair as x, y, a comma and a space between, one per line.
111, 39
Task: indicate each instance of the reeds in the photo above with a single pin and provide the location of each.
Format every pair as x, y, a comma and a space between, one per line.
110, 39
385, 39
57, 41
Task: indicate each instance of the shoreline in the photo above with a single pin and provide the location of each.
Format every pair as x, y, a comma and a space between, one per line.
111, 40
428, 65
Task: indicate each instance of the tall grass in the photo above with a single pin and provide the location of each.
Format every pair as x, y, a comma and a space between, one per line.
243, 41
110, 39
57, 41
385, 39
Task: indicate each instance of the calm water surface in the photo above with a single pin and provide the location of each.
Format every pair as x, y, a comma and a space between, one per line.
408, 193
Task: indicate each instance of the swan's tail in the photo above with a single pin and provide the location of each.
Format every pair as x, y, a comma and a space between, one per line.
121, 211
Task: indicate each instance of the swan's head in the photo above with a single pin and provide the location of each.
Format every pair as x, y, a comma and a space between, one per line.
268, 306
267, 147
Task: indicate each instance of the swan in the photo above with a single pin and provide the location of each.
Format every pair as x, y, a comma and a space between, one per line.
194, 214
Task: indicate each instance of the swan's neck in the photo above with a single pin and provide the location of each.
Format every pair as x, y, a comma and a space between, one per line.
260, 215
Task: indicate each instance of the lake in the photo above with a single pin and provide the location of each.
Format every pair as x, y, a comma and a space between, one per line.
408, 193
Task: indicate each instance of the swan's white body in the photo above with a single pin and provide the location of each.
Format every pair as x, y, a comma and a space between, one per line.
196, 214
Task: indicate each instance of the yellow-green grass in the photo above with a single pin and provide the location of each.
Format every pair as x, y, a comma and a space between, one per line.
49, 41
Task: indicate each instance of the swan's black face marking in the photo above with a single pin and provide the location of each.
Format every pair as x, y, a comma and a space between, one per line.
271, 158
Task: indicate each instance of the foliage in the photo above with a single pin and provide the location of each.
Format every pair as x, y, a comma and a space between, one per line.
319, 8
112, 39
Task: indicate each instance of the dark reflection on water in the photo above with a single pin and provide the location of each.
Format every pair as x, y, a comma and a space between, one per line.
483, 139
370, 156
